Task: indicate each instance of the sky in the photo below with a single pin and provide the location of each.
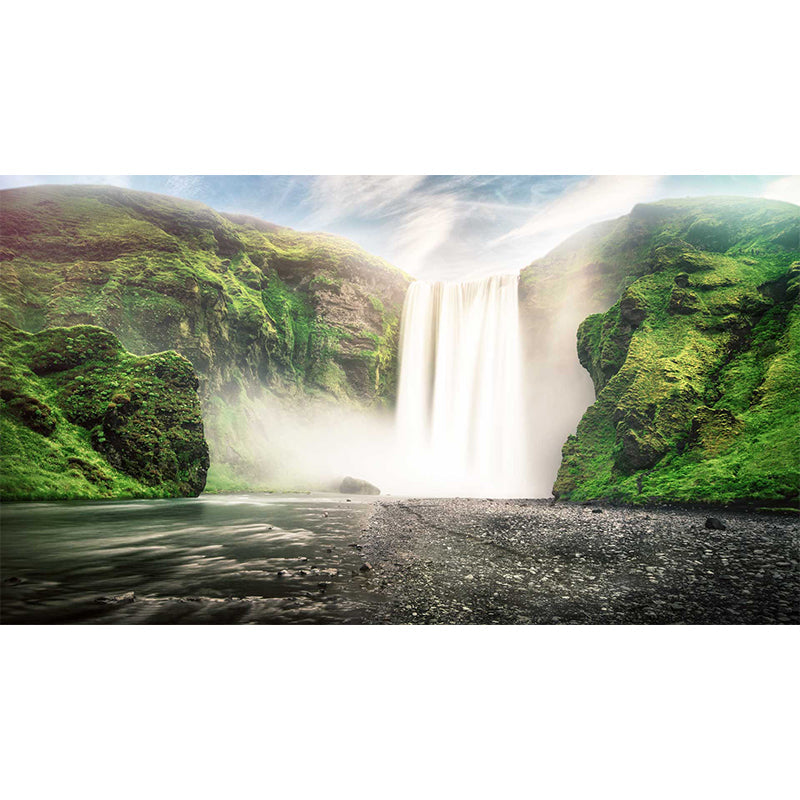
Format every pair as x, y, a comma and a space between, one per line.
438, 227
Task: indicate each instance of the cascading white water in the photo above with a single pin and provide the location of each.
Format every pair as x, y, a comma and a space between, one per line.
460, 412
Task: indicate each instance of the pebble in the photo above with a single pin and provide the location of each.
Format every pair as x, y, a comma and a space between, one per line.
435, 554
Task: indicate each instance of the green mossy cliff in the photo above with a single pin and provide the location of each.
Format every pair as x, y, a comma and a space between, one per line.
82, 418
696, 365
256, 308
694, 351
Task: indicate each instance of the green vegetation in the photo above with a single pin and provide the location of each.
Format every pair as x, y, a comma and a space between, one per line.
82, 418
696, 365
253, 306
695, 354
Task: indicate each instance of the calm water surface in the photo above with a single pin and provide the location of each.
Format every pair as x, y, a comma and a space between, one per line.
213, 559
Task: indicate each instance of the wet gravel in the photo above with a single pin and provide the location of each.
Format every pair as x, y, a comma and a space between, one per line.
517, 562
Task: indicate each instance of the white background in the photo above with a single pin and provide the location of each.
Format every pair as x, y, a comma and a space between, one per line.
433, 87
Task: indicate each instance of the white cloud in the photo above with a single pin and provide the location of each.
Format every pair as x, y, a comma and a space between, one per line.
421, 220
787, 188
422, 230
185, 185
592, 200
334, 197
434, 230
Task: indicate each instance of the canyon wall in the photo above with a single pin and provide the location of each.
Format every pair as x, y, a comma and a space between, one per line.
267, 316
694, 352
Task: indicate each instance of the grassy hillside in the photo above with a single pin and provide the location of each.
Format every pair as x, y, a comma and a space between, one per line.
696, 365
256, 308
82, 418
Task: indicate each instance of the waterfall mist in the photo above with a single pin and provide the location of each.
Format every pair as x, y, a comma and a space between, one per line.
460, 413
301, 444
489, 389
557, 389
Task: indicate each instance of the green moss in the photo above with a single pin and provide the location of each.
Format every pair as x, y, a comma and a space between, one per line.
325, 279
82, 418
293, 317
697, 400
251, 305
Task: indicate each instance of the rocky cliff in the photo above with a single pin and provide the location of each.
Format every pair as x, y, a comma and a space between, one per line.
82, 418
686, 315
258, 310
696, 364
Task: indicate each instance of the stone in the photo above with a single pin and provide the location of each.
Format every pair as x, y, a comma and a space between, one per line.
683, 301
714, 524
682, 280
365, 567
357, 486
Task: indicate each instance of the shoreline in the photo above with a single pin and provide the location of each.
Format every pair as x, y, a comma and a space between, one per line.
469, 561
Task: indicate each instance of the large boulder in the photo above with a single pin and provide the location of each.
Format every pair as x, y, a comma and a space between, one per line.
113, 424
357, 486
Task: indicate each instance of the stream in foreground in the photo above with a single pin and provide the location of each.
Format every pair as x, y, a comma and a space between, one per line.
257, 558
276, 559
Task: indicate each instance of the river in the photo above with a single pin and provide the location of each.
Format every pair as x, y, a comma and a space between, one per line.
259, 558
278, 559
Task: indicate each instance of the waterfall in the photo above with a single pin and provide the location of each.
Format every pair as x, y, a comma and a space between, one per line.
460, 413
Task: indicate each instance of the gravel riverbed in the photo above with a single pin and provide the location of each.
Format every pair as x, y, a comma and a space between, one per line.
516, 562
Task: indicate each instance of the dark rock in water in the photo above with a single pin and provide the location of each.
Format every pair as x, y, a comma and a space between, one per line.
13, 581
284, 573
365, 567
714, 524
358, 486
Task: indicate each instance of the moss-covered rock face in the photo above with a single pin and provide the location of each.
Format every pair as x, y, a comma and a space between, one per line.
696, 365
82, 418
253, 306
